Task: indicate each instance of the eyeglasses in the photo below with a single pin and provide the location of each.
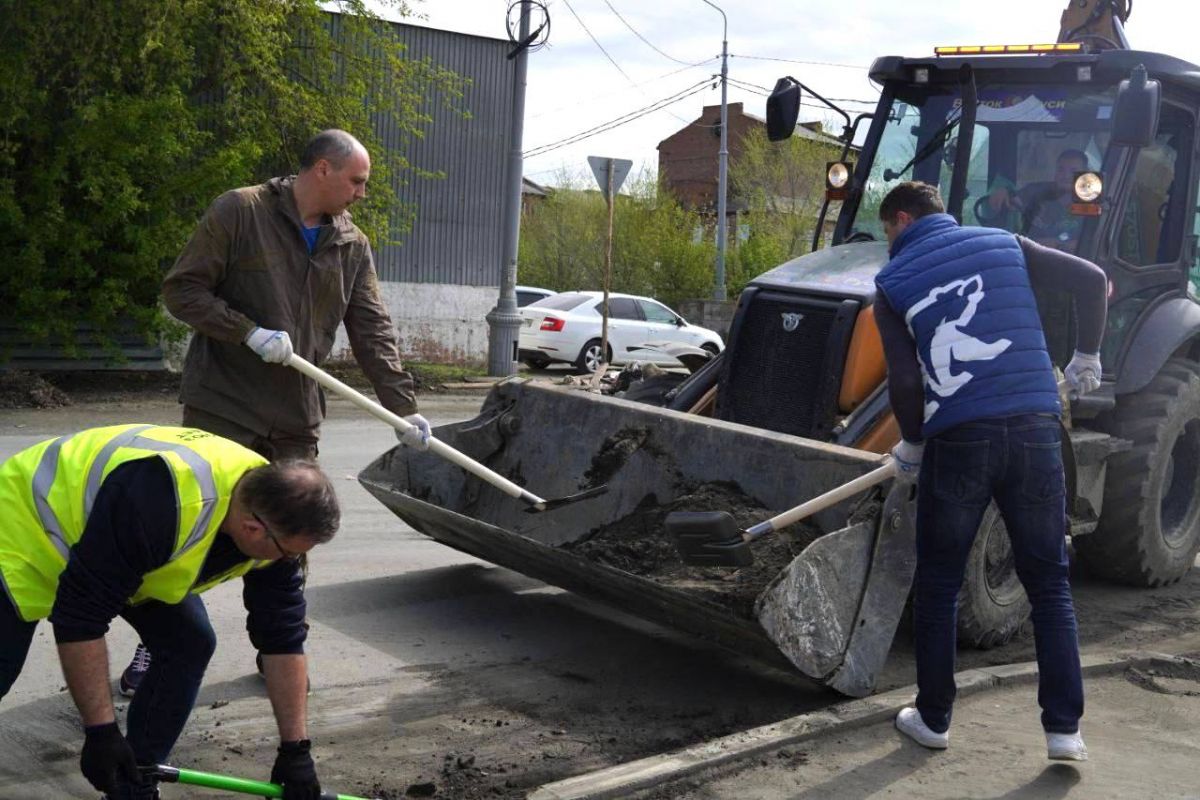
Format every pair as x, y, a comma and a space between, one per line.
284, 554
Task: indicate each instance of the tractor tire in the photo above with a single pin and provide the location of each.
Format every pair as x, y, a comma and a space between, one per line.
1149, 528
589, 359
992, 605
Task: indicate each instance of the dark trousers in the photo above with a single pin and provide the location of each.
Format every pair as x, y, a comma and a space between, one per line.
1018, 462
181, 640
272, 448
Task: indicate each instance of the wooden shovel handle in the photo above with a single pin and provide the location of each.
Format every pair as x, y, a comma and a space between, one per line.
822, 502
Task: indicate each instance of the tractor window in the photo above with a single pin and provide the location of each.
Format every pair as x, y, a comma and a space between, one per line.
1194, 275
1153, 220
1021, 134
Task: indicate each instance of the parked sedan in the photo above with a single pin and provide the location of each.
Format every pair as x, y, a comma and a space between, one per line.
531, 294
566, 328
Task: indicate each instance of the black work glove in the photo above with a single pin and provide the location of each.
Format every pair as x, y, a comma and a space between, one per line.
295, 772
107, 760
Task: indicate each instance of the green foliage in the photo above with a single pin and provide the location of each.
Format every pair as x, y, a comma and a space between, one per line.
655, 252
123, 119
783, 187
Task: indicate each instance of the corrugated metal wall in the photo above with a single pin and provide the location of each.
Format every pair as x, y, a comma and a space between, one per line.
457, 236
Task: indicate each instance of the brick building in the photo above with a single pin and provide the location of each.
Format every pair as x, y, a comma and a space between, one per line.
687, 159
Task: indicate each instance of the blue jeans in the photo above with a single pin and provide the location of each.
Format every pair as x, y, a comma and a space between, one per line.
1018, 462
181, 642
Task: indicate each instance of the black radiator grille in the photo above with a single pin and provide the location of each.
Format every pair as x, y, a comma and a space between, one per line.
776, 378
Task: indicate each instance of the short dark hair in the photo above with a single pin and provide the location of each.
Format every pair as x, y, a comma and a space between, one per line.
914, 198
333, 145
294, 498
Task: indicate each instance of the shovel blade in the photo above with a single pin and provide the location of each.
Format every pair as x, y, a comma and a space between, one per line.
550, 505
708, 539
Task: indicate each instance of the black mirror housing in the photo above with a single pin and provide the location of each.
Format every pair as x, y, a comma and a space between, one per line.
783, 109
1135, 113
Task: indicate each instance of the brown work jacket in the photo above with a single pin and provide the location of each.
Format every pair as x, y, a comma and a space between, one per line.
247, 265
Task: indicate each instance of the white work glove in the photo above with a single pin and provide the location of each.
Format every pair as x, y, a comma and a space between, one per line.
907, 457
1083, 373
416, 437
274, 347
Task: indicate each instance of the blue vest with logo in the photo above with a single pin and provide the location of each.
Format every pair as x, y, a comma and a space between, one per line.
965, 296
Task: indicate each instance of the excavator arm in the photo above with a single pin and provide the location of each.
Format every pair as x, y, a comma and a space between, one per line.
1097, 23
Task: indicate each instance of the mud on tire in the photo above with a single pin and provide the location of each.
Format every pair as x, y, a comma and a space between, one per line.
1149, 529
992, 604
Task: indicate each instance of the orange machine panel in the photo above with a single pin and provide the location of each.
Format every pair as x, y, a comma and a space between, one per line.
865, 367
882, 437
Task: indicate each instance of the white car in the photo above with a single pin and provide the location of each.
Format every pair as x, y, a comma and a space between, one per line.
566, 328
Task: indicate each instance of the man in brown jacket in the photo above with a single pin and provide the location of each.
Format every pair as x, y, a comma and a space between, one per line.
273, 269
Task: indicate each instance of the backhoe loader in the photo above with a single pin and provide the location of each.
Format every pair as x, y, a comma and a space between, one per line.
797, 403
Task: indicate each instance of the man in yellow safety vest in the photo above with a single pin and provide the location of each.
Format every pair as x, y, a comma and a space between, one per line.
136, 521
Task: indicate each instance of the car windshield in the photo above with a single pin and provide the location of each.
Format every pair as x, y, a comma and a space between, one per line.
1029, 142
561, 302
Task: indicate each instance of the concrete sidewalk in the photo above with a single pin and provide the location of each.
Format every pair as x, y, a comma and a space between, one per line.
1142, 728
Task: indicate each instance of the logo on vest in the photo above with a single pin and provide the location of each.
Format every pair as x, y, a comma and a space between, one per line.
950, 342
791, 321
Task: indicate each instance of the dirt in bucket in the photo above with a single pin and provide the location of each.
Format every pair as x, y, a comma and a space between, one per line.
639, 544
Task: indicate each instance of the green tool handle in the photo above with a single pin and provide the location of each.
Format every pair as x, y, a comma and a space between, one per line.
230, 784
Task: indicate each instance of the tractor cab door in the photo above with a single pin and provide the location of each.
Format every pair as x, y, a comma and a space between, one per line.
1149, 247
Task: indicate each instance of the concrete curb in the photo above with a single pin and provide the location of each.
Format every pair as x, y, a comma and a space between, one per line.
623, 780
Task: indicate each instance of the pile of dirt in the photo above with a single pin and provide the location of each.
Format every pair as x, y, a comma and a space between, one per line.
20, 389
639, 544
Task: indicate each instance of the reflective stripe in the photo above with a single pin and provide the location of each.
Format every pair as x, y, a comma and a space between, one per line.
202, 472
96, 473
43, 480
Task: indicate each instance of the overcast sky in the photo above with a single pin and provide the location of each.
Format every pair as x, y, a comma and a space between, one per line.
573, 86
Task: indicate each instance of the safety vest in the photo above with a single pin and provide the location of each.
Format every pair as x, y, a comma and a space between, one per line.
965, 296
47, 493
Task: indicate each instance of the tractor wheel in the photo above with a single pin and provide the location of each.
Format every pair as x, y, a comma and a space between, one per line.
992, 604
1149, 528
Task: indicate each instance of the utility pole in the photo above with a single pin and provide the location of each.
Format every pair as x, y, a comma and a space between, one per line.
722, 162
504, 323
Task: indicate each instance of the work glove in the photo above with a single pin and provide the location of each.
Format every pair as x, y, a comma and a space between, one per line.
907, 457
295, 772
274, 347
1083, 373
107, 760
416, 437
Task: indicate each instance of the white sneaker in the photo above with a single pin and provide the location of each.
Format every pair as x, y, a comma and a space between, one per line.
1065, 747
909, 722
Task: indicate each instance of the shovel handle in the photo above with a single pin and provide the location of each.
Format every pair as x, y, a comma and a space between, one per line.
228, 783
435, 445
822, 502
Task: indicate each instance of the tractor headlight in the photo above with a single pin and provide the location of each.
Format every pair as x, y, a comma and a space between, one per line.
1088, 187
837, 175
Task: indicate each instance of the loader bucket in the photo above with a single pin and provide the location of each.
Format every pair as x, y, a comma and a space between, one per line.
824, 600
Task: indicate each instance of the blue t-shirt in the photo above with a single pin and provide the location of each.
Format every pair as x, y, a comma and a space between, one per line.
310, 236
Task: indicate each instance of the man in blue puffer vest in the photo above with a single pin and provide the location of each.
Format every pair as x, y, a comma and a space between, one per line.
971, 382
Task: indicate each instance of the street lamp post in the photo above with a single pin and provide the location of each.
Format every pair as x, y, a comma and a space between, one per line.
722, 161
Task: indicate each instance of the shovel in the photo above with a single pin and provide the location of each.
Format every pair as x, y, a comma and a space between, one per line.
535, 503
210, 780
712, 538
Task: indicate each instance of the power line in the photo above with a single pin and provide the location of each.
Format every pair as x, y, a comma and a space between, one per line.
609, 94
794, 61
596, 41
604, 127
762, 89
648, 42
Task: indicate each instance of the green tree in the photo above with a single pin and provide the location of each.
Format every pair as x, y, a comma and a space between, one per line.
123, 119
655, 247
783, 187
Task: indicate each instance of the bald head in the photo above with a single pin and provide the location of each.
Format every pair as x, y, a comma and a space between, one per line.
333, 145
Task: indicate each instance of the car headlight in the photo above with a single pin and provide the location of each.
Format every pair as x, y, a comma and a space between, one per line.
1088, 187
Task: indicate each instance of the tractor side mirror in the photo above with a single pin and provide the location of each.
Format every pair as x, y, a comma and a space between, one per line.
1135, 114
783, 109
